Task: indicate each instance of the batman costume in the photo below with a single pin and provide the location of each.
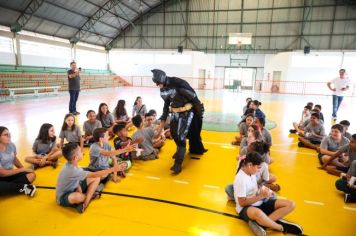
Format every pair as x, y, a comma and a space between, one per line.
186, 111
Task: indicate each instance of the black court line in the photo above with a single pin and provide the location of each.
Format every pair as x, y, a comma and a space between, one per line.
162, 201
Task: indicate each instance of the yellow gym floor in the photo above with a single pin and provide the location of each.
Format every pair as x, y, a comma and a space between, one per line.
150, 201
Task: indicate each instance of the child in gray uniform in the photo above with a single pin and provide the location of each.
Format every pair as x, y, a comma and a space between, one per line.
45, 150
148, 135
70, 131
330, 144
313, 133
13, 180
75, 186
100, 152
347, 184
106, 118
348, 152
89, 126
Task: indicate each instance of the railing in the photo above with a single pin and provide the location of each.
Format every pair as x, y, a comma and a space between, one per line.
298, 88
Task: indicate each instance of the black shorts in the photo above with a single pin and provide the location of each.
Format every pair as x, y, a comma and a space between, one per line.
342, 169
315, 142
267, 207
20, 178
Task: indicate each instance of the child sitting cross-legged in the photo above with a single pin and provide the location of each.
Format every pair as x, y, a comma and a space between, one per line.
121, 142
148, 135
255, 205
100, 152
75, 186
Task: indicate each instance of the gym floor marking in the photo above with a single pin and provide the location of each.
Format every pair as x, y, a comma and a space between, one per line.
350, 208
181, 182
153, 177
211, 186
314, 203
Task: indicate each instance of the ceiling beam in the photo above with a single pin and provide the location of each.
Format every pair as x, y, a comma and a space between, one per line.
89, 24
26, 15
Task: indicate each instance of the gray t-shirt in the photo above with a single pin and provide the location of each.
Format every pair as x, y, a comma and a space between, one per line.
329, 144
346, 149
97, 160
71, 136
348, 135
121, 117
89, 127
266, 136
8, 156
68, 179
147, 144
317, 129
106, 120
73, 83
243, 129
352, 169
139, 110
39, 147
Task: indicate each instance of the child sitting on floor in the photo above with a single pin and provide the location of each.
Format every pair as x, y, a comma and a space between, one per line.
148, 135
254, 204
347, 184
313, 133
45, 150
75, 186
100, 152
89, 126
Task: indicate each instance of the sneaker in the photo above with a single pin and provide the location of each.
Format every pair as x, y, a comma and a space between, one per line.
347, 198
292, 131
257, 229
54, 164
29, 190
290, 228
300, 144
80, 208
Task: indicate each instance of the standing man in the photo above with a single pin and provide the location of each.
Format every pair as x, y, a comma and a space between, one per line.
340, 85
186, 111
73, 87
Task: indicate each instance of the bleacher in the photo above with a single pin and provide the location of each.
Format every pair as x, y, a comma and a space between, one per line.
28, 77
12, 69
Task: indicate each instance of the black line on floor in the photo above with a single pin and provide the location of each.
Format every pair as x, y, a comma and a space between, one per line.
162, 201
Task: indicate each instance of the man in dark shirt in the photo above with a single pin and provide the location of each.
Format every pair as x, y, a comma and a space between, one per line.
73, 87
186, 111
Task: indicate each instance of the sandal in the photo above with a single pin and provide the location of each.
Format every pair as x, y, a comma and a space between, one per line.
96, 195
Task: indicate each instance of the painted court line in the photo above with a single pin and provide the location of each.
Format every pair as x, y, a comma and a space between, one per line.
350, 208
181, 182
211, 186
280, 197
304, 153
153, 177
315, 203
129, 174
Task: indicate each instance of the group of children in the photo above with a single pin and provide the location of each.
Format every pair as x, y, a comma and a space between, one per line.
76, 187
254, 189
336, 149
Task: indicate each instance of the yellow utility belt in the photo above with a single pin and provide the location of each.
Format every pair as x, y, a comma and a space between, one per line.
186, 107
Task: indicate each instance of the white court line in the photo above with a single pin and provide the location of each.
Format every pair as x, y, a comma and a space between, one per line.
350, 208
129, 174
228, 147
153, 177
315, 203
304, 153
280, 197
211, 186
181, 182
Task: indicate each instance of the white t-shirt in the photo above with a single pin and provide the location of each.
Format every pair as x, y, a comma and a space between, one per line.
245, 186
339, 84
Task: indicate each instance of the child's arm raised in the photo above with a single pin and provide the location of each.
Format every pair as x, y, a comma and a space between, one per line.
130, 148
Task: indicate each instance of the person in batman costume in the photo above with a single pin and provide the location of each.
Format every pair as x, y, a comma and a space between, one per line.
186, 111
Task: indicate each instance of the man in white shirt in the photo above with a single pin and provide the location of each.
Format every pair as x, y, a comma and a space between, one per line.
340, 85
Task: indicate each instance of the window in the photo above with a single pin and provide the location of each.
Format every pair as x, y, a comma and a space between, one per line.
42, 49
6, 45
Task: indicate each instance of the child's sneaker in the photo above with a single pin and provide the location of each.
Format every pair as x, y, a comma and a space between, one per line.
80, 208
257, 229
29, 190
292, 131
290, 228
54, 164
300, 144
100, 187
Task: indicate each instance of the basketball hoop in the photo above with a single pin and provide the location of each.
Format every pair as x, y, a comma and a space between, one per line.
240, 39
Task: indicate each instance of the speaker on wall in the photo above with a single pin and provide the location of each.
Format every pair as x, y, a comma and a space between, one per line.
306, 50
180, 49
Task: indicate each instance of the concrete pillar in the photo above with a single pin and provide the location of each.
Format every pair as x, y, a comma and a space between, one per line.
17, 48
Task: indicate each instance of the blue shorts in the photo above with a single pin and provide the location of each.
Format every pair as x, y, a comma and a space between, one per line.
64, 201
